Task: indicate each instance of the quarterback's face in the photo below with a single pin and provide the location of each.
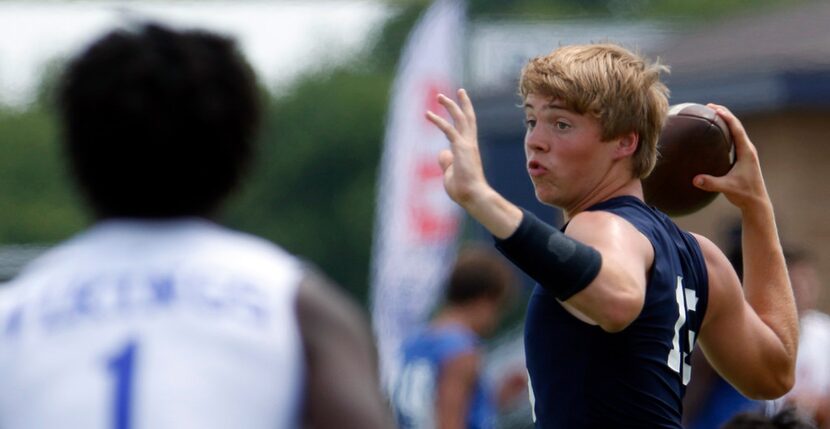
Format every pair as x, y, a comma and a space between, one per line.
566, 158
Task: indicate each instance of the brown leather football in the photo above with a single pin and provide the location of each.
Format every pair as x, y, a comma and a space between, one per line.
694, 140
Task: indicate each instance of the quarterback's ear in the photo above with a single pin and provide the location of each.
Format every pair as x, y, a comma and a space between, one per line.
626, 145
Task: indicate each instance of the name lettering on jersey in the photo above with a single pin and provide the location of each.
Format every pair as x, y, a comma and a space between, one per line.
120, 295
12, 325
163, 289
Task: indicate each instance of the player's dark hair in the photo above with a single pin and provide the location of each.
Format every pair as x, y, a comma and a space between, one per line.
479, 272
787, 418
158, 122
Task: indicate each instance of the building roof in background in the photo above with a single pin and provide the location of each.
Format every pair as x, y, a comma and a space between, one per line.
790, 38
755, 62
498, 50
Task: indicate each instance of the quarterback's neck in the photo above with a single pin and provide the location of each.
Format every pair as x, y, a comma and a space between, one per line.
630, 186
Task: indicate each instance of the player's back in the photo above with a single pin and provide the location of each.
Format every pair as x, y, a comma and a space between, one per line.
152, 324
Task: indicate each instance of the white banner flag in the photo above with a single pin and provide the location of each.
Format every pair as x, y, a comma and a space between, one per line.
416, 223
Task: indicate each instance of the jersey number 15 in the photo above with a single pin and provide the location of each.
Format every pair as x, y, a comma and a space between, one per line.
678, 359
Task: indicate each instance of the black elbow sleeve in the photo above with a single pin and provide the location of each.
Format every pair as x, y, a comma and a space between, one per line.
557, 262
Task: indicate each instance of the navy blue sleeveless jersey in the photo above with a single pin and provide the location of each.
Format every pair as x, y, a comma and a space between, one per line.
585, 378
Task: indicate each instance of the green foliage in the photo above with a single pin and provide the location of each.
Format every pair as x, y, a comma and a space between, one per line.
313, 189
628, 9
694, 10
387, 48
36, 199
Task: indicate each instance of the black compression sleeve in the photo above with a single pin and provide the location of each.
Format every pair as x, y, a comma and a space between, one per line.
559, 263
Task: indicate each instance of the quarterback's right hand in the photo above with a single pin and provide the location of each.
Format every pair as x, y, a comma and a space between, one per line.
464, 178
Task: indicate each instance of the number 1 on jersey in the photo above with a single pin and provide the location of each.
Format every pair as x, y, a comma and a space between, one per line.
121, 366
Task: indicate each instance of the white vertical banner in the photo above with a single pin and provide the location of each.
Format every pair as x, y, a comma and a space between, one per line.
416, 223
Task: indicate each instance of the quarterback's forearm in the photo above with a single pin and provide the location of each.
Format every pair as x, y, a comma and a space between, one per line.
766, 283
494, 212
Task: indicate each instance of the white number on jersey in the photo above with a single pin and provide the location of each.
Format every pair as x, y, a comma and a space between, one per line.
415, 395
686, 302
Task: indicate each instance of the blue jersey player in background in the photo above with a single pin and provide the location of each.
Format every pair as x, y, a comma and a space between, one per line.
623, 294
441, 383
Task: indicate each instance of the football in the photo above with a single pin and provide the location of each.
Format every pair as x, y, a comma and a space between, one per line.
694, 140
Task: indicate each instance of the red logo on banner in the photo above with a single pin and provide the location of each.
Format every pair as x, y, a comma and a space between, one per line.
432, 218
431, 103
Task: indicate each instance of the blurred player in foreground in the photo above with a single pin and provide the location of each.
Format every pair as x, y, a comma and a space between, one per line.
156, 317
441, 384
623, 294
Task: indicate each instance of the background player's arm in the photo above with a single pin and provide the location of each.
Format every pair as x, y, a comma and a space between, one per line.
455, 391
750, 336
342, 383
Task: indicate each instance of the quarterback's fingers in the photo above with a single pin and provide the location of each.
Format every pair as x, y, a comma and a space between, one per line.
711, 183
467, 107
445, 159
743, 145
445, 127
455, 112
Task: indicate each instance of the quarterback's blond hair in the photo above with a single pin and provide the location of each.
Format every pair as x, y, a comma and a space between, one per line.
620, 88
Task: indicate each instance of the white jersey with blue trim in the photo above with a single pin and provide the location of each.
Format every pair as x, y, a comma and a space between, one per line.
153, 324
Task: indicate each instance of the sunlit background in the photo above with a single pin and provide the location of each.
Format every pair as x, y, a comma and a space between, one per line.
326, 70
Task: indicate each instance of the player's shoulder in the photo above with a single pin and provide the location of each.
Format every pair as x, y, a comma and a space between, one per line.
229, 241
194, 244
11, 294
622, 210
597, 219
600, 225
219, 248
704, 242
724, 286
720, 272
6, 291
714, 258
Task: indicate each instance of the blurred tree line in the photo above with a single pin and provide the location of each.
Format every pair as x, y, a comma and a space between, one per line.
313, 187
